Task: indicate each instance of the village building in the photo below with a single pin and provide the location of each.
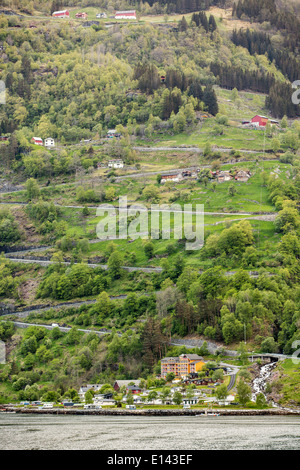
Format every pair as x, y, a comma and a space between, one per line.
115, 164
177, 177
134, 389
49, 142
259, 121
113, 133
124, 383
242, 175
190, 401
101, 15
223, 176
37, 141
81, 15
99, 400
61, 14
125, 15
174, 178
85, 388
181, 366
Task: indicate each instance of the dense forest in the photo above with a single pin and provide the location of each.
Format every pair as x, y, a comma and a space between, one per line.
150, 82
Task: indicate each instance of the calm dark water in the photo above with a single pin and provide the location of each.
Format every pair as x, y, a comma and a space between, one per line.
51, 432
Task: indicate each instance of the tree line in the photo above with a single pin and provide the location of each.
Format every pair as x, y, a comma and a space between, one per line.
267, 10
258, 42
235, 77
279, 94
184, 6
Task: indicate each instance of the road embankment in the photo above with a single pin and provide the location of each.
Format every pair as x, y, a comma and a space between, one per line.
154, 412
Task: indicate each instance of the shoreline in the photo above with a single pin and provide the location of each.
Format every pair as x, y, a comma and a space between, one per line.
154, 412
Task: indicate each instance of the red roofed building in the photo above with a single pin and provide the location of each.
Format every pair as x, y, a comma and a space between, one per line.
81, 15
37, 141
125, 15
259, 120
61, 14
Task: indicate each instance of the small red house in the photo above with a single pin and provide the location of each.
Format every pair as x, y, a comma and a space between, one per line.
81, 15
37, 141
61, 14
134, 389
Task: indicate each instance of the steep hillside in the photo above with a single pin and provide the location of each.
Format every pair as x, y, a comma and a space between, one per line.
179, 87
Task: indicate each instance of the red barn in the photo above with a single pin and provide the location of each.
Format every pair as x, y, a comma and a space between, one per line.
125, 15
61, 14
259, 120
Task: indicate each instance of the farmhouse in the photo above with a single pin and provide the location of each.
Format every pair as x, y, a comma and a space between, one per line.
49, 142
242, 175
116, 164
261, 121
181, 366
223, 176
125, 15
81, 15
61, 14
37, 140
175, 178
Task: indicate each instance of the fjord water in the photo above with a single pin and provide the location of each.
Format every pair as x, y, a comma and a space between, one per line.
52, 432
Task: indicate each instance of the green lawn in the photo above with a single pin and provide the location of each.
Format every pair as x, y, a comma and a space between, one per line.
234, 137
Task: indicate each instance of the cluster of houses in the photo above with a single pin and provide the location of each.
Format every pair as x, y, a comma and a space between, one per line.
184, 368
119, 15
141, 396
222, 176
259, 122
49, 142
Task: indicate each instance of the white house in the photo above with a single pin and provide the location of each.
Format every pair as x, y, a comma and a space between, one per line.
116, 164
49, 142
99, 400
174, 178
190, 401
85, 388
